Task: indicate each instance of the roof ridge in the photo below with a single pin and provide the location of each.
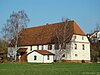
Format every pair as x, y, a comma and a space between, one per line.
44, 25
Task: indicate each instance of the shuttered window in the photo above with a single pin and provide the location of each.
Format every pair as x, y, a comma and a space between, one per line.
49, 47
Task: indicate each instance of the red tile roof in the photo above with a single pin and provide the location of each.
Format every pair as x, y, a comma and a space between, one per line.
43, 52
77, 29
22, 50
46, 34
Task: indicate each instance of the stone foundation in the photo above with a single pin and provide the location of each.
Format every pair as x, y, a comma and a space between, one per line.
76, 61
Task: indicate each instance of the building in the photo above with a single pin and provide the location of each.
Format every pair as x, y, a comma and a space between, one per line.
40, 56
94, 37
75, 48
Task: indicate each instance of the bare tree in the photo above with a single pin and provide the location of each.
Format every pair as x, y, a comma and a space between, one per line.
16, 22
95, 43
63, 36
97, 28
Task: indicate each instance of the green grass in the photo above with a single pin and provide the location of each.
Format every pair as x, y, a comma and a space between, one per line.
50, 69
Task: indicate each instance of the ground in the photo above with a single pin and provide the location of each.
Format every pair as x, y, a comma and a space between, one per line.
50, 69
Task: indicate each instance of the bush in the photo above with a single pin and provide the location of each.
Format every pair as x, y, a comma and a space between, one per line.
1, 60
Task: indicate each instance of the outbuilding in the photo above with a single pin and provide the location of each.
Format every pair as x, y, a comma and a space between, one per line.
40, 56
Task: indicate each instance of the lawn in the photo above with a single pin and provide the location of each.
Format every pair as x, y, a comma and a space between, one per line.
50, 69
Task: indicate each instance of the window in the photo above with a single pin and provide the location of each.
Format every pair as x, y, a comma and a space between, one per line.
30, 47
75, 46
49, 47
63, 55
56, 46
42, 47
35, 57
83, 47
76, 55
37, 47
99, 40
74, 37
48, 57
82, 38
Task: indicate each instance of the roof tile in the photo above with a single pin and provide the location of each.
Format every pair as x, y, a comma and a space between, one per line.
46, 34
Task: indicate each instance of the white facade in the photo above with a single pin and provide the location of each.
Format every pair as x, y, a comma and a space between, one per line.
98, 35
80, 49
81, 53
77, 49
95, 37
36, 57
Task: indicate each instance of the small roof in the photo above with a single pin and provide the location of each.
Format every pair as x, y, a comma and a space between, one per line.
43, 52
22, 50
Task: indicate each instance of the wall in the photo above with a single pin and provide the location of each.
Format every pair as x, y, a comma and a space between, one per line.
81, 54
79, 38
50, 59
40, 58
30, 57
98, 35
69, 52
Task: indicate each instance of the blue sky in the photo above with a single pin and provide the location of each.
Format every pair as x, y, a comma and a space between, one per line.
85, 12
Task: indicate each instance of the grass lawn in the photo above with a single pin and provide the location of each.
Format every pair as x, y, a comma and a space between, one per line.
50, 69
